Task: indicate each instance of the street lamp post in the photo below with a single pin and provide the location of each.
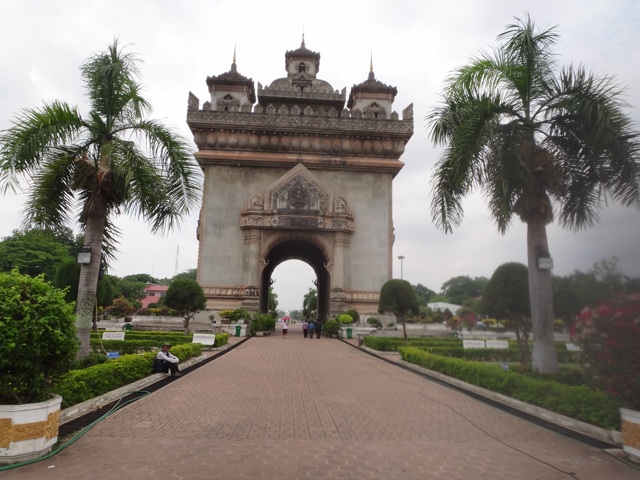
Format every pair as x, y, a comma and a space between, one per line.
401, 257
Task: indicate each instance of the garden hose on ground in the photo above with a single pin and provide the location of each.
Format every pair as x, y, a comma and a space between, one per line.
81, 432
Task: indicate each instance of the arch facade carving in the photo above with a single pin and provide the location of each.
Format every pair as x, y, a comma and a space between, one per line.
296, 175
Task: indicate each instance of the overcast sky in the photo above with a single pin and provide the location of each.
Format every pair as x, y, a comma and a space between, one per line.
414, 44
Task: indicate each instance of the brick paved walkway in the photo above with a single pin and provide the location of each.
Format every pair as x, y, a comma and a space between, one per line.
317, 409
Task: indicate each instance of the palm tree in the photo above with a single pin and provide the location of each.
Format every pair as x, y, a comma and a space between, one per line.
531, 138
310, 304
109, 161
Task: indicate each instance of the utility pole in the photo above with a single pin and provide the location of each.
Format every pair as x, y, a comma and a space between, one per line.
401, 257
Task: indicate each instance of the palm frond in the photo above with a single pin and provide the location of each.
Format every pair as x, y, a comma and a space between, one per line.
595, 142
506, 175
110, 78
52, 200
468, 124
162, 188
33, 139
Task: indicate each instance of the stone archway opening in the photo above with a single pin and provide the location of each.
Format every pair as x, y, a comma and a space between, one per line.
291, 282
307, 253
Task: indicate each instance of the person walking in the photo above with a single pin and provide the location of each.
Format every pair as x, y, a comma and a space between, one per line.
319, 324
305, 329
285, 328
312, 327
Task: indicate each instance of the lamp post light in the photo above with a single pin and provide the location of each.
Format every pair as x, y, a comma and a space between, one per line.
401, 257
84, 255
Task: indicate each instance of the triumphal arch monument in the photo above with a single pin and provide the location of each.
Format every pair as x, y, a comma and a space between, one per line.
297, 170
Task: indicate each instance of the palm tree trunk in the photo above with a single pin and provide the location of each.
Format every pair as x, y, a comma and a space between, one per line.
545, 359
88, 283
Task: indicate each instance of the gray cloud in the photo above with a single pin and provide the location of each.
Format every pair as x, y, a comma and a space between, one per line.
415, 44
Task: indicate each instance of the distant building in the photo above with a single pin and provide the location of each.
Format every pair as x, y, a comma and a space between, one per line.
153, 294
442, 306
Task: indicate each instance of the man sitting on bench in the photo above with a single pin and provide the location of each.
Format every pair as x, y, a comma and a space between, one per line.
168, 360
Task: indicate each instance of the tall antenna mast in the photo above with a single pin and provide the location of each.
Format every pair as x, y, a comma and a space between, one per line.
175, 272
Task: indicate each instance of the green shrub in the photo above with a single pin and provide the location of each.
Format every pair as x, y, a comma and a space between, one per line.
608, 335
221, 339
78, 386
392, 343
383, 344
235, 315
374, 322
261, 322
579, 402
345, 319
121, 307
353, 314
140, 342
453, 347
37, 337
94, 358
331, 328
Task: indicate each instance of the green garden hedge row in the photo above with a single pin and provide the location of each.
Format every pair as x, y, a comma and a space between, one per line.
453, 347
160, 337
493, 354
390, 344
578, 402
139, 344
78, 386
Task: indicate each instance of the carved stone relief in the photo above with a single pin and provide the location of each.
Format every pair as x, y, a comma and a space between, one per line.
297, 201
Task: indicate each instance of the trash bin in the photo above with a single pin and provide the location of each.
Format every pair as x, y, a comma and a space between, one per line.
349, 333
128, 327
238, 330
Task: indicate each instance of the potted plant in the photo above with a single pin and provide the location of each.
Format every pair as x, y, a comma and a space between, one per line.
345, 319
38, 342
608, 336
262, 324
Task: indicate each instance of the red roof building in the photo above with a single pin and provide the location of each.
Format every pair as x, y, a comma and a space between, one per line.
153, 294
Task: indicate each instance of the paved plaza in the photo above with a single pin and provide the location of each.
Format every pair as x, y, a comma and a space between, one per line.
317, 409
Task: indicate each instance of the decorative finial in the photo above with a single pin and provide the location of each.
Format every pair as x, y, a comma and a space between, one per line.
303, 46
372, 75
233, 65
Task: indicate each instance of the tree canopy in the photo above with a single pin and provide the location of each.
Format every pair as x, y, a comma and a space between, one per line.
187, 297
462, 288
533, 138
507, 298
310, 303
36, 251
109, 161
397, 296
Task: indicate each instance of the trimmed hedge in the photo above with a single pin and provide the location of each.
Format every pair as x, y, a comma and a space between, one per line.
148, 341
579, 402
453, 347
493, 354
390, 344
78, 386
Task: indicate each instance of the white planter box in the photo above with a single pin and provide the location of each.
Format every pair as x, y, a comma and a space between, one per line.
28, 431
631, 432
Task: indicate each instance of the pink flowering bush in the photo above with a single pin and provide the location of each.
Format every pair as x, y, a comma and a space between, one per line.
609, 336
